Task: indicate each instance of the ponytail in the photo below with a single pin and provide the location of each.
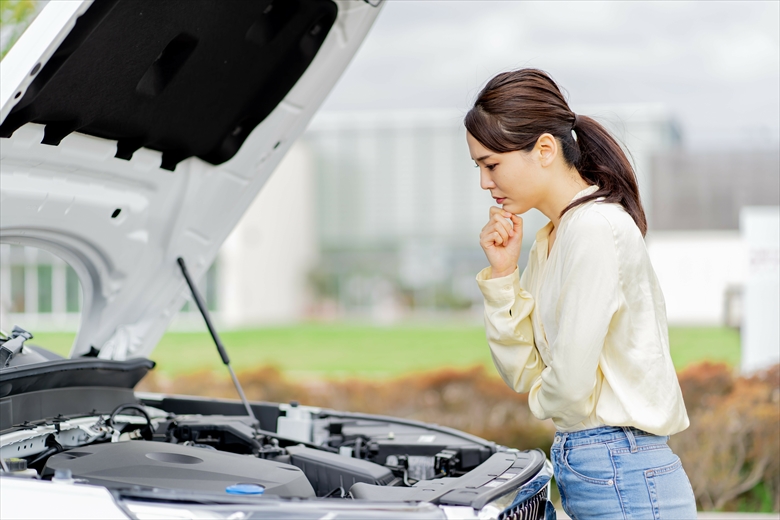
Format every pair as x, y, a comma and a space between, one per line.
603, 163
516, 108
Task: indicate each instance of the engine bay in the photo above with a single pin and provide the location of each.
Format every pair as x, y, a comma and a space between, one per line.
80, 421
319, 453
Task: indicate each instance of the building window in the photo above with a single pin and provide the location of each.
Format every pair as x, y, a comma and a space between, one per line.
17, 288
72, 291
39, 289
44, 289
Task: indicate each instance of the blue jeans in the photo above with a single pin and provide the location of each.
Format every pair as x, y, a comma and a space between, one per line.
620, 472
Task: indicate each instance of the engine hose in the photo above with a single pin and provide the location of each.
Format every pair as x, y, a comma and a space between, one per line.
54, 447
44, 455
148, 432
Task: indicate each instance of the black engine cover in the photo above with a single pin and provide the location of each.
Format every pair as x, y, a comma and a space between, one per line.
171, 466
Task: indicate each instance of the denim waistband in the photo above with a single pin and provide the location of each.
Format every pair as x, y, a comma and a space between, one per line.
601, 434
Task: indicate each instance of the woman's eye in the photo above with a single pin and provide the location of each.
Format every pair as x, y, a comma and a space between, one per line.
490, 167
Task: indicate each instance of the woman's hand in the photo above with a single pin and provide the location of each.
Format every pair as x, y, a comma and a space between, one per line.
501, 241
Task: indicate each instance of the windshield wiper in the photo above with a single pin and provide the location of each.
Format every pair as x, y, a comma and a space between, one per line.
220, 347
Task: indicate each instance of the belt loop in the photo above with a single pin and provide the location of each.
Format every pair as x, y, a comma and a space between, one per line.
630, 437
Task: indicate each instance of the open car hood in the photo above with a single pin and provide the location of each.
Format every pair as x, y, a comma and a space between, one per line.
135, 132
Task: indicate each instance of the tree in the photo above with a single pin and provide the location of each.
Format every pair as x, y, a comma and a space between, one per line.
15, 17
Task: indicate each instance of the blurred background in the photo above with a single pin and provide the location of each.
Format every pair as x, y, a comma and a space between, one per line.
376, 289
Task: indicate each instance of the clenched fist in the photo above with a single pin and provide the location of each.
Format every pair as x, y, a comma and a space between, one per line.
501, 239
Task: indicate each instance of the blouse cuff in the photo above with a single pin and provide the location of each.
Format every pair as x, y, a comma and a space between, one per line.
501, 289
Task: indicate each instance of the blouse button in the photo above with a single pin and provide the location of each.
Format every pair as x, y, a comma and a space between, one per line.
609, 482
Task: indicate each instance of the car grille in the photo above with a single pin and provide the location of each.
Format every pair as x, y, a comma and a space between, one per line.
531, 509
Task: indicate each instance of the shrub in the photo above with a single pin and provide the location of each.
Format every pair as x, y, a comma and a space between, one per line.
704, 383
731, 451
469, 400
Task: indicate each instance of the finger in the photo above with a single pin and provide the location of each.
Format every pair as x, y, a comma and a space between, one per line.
502, 222
503, 232
517, 223
490, 238
494, 210
492, 225
496, 238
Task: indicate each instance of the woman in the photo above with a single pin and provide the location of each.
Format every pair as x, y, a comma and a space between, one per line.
583, 330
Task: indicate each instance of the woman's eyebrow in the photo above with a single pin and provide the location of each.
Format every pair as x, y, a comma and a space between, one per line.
483, 157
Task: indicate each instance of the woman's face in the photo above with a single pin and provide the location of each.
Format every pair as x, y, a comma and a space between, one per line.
515, 180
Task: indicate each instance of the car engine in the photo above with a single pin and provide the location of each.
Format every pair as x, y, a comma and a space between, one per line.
79, 421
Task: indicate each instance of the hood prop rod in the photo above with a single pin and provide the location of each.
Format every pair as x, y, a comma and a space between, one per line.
220, 347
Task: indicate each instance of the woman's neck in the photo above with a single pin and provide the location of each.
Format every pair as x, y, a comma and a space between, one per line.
564, 186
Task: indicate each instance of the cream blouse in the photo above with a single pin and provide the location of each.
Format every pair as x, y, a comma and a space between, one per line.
584, 331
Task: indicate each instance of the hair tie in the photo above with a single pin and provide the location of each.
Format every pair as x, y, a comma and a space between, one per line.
573, 126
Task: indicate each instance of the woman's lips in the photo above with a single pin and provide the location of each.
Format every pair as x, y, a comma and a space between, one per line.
500, 200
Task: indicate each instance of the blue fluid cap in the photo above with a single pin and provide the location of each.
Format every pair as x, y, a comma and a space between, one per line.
245, 489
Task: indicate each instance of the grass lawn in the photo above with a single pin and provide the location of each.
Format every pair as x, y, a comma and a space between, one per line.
694, 344
339, 350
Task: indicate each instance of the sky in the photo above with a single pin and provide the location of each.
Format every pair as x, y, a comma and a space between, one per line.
714, 65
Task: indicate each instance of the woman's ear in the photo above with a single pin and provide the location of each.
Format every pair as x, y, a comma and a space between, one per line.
546, 149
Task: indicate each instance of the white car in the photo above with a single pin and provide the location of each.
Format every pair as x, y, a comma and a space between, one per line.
135, 133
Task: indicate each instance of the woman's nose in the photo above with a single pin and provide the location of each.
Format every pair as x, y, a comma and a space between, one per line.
485, 181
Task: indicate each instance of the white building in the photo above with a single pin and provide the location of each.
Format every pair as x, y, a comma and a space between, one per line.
761, 324
263, 266
400, 202
695, 240
373, 214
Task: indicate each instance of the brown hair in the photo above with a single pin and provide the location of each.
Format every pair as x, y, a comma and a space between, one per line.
516, 108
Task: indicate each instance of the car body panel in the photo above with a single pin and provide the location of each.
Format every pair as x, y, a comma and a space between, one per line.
21, 499
121, 224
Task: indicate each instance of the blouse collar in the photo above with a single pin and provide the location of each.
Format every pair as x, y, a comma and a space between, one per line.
584, 193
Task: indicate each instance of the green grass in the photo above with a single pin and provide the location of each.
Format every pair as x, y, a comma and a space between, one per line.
339, 350
694, 344
317, 350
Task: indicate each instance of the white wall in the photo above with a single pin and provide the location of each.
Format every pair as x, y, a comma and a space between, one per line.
263, 265
760, 228
695, 269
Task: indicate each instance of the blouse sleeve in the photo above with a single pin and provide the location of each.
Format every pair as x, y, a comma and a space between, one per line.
567, 389
509, 331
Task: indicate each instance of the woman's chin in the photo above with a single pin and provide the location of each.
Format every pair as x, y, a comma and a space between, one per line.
514, 208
